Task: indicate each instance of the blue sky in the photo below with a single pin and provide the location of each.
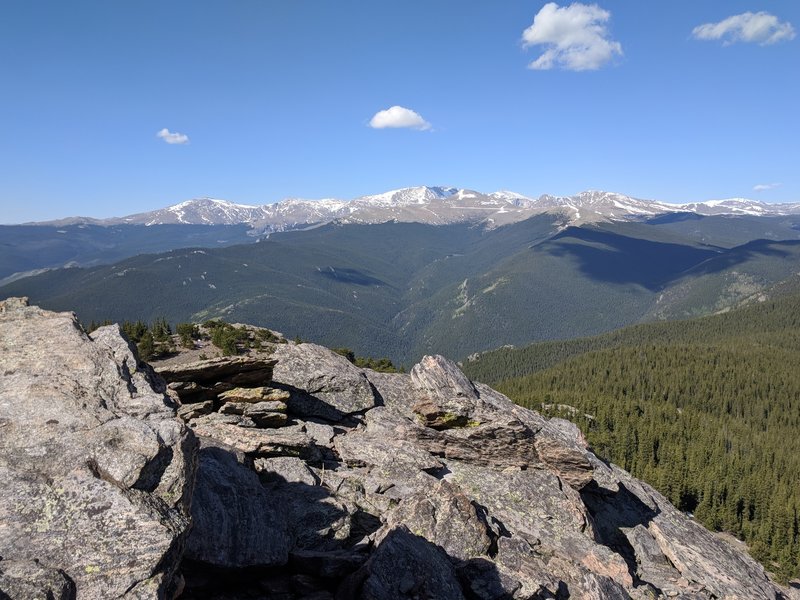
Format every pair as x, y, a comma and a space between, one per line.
276, 99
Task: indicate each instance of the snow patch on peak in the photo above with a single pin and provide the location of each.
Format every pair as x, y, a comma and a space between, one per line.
737, 203
512, 198
209, 202
406, 196
737, 206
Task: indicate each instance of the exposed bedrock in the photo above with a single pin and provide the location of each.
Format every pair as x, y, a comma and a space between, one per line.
95, 470
315, 479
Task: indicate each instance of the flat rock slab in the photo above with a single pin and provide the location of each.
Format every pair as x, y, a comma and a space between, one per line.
253, 395
187, 412
238, 370
285, 441
262, 414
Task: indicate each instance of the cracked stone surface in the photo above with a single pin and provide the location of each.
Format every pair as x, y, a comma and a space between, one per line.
96, 471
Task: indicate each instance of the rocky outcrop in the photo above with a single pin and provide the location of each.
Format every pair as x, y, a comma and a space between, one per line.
407, 566
428, 485
318, 479
95, 470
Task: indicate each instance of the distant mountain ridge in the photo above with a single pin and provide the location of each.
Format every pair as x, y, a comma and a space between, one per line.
433, 206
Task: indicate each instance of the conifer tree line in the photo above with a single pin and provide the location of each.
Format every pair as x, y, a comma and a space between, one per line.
382, 365
155, 340
707, 411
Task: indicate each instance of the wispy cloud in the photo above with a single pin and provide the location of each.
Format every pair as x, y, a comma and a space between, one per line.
398, 117
173, 137
763, 187
576, 37
759, 28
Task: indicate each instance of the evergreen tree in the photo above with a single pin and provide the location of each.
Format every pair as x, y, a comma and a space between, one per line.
146, 346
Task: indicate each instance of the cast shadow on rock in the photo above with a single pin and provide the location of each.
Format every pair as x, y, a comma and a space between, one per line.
301, 402
316, 543
611, 513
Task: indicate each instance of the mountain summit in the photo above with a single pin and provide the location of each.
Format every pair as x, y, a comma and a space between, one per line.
200, 211
405, 196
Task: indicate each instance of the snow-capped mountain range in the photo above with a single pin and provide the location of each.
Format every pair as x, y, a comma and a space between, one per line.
434, 205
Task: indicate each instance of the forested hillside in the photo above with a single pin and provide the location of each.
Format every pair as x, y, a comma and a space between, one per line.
403, 290
706, 410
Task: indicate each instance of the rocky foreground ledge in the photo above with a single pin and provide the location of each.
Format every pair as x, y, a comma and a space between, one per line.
294, 474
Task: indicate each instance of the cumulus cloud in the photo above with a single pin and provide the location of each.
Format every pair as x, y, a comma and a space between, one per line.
575, 36
763, 187
173, 137
398, 117
760, 28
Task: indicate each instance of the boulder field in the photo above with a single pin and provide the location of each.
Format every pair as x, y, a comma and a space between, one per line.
291, 473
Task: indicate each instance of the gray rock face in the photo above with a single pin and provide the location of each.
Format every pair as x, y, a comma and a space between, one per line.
702, 559
441, 380
379, 445
442, 514
285, 469
548, 516
96, 472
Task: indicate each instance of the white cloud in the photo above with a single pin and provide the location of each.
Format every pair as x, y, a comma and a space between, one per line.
173, 137
576, 37
398, 117
763, 187
761, 28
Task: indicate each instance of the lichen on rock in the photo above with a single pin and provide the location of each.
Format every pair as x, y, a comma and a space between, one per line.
96, 472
